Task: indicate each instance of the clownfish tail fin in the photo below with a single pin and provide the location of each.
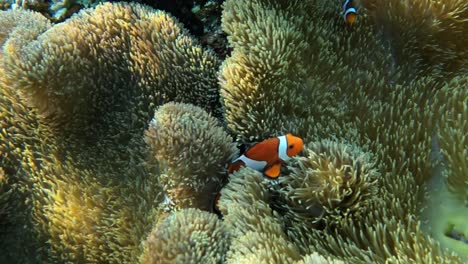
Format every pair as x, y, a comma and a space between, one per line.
214, 206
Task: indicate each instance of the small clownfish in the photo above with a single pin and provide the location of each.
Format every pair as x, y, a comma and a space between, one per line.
268, 155
349, 12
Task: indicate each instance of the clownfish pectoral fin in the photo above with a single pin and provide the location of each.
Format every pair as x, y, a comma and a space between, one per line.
235, 166
273, 171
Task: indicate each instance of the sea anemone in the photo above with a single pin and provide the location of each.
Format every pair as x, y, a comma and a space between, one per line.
96, 78
331, 181
192, 149
256, 229
187, 236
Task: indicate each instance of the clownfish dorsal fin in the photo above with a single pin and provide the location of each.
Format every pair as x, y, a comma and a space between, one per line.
273, 171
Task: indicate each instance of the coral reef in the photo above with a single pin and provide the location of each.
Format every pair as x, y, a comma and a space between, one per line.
187, 236
192, 149
113, 125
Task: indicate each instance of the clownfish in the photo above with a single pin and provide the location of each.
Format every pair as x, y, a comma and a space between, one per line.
268, 155
349, 12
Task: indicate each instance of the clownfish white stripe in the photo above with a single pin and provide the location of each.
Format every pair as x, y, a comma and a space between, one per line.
254, 164
350, 10
283, 148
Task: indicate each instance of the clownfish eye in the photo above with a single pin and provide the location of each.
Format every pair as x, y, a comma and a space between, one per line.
291, 146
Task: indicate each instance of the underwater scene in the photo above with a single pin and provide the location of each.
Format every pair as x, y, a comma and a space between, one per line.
234, 131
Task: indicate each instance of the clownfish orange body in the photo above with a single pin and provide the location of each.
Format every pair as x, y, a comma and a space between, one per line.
349, 12
268, 155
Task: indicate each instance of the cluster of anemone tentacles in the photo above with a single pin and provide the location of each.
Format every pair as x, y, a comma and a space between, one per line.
115, 134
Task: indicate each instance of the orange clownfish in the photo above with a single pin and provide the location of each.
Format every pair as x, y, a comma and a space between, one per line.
268, 155
349, 12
